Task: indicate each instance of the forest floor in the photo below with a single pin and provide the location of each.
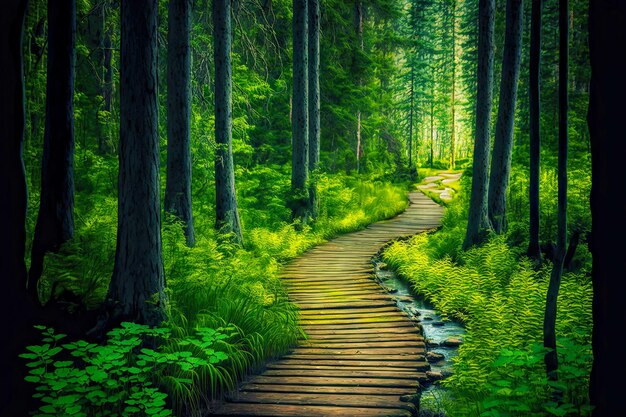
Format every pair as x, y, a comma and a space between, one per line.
362, 353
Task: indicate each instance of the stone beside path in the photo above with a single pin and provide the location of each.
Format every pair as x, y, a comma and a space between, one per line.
363, 353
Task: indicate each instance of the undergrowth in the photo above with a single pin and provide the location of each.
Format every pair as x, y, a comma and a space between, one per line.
499, 296
218, 285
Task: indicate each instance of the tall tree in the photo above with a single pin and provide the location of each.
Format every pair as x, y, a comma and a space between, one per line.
453, 98
301, 209
503, 143
178, 183
55, 220
535, 138
314, 101
549, 322
226, 213
478, 220
13, 398
136, 292
607, 32
358, 31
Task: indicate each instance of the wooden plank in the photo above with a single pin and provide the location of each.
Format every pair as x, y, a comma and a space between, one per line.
341, 400
353, 390
360, 351
362, 364
352, 344
337, 381
349, 373
402, 357
374, 325
284, 410
394, 330
340, 304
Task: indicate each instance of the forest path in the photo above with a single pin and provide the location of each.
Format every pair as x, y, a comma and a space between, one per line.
363, 352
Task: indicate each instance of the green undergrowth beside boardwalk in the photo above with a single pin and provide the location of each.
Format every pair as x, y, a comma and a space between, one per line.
214, 286
499, 296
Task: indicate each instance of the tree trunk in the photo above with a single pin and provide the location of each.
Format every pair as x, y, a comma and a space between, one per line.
411, 92
314, 101
358, 30
534, 250
107, 84
301, 209
453, 103
478, 222
226, 213
14, 399
178, 184
136, 289
55, 220
503, 143
607, 33
549, 322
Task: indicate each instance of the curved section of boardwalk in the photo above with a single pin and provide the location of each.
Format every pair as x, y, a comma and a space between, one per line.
363, 353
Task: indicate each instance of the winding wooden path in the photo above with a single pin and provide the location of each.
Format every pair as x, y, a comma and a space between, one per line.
363, 352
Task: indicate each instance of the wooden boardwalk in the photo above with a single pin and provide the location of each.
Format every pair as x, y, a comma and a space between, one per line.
363, 353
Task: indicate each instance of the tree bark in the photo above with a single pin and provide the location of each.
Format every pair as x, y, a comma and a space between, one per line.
549, 323
178, 183
358, 30
314, 101
136, 292
13, 397
478, 221
226, 213
301, 209
503, 143
607, 34
411, 93
534, 249
453, 103
55, 220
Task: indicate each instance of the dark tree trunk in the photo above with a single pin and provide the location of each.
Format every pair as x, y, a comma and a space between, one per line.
549, 322
534, 249
503, 143
226, 213
107, 83
301, 209
478, 222
136, 289
314, 101
178, 183
16, 303
607, 34
55, 220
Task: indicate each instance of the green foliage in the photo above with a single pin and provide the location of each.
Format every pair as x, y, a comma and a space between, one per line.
123, 376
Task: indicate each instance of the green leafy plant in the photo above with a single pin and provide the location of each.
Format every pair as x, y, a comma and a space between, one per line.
122, 377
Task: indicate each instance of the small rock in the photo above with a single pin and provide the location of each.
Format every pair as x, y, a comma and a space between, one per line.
427, 318
393, 290
431, 343
411, 398
453, 342
406, 299
438, 323
434, 375
446, 373
433, 357
382, 265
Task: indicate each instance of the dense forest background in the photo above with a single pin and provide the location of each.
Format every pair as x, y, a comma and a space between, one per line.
398, 100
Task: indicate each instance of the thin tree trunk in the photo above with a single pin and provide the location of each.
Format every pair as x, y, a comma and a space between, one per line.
55, 220
478, 222
301, 209
549, 322
314, 101
534, 250
358, 29
411, 119
432, 127
107, 84
178, 183
136, 292
453, 104
503, 143
226, 212
607, 33
14, 397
